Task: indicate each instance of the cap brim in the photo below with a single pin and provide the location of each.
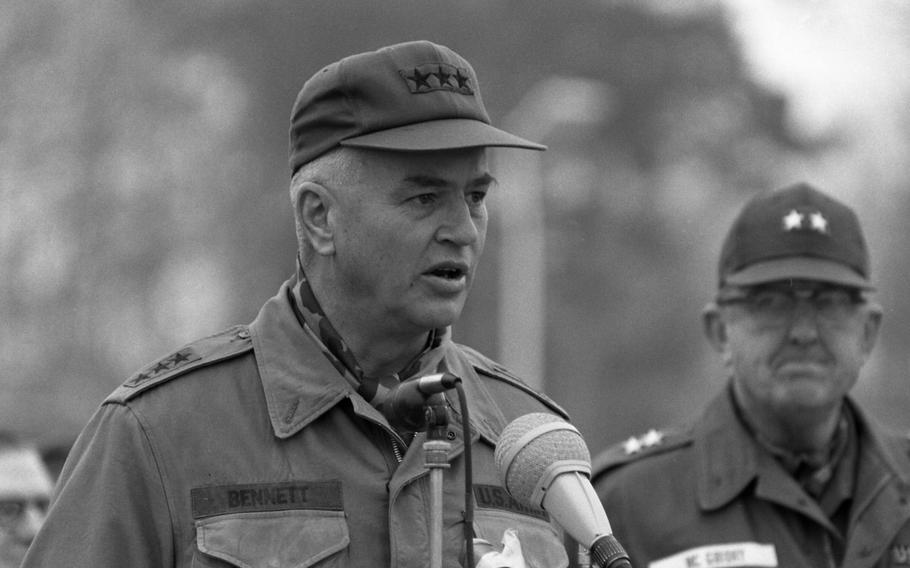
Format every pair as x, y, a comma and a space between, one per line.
798, 268
446, 134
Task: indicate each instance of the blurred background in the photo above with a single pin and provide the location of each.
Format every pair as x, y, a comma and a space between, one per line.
143, 180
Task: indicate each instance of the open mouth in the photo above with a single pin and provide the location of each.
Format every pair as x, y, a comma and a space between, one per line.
449, 273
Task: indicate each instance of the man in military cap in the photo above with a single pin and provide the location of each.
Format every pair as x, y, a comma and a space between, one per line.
271, 444
783, 468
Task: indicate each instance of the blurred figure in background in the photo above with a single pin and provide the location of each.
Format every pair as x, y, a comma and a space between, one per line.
783, 468
25, 490
271, 444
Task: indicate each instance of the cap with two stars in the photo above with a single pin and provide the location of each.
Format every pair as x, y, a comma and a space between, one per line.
413, 96
797, 233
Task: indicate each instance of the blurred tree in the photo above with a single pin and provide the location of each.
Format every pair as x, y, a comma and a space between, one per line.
143, 177
628, 246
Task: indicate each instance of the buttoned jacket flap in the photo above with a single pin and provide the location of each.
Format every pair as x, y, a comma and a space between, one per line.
541, 544
291, 539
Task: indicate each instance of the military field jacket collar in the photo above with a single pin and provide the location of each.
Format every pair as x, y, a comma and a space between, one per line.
301, 384
728, 459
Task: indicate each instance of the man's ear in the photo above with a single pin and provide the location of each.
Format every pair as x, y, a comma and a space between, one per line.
871, 327
315, 208
714, 327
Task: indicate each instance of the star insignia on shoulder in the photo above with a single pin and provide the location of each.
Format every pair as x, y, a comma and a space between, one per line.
169, 363
635, 444
652, 438
632, 446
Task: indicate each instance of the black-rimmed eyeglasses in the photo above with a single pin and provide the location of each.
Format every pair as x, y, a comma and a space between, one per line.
777, 304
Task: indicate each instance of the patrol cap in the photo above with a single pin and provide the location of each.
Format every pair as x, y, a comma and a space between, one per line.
412, 96
796, 232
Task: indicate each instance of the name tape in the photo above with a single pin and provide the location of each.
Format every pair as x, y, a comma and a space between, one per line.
258, 497
731, 555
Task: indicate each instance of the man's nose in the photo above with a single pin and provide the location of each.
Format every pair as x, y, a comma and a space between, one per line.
804, 322
31, 520
460, 226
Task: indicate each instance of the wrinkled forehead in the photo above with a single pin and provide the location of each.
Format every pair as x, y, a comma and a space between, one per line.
23, 474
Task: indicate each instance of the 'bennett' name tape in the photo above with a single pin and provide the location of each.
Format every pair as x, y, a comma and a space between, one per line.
256, 497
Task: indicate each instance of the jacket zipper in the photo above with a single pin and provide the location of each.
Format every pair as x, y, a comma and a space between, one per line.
396, 449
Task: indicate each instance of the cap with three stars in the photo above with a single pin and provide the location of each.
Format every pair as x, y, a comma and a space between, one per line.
413, 96
797, 233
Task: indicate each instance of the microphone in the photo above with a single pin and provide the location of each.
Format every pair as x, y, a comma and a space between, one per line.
407, 405
544, 463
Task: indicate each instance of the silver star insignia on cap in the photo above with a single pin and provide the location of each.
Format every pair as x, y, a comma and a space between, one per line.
818, 222
793, 220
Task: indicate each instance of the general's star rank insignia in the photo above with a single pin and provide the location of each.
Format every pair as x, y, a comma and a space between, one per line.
818, 222
793, 220
169, 363
437, 77
797, 221
632, 446
636, 444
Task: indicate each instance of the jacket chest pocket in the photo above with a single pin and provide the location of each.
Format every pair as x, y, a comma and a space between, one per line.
541, 545
272, 539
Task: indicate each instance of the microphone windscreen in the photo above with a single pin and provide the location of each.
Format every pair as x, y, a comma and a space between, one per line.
533, 449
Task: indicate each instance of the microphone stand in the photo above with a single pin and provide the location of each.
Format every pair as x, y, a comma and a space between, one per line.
436, 452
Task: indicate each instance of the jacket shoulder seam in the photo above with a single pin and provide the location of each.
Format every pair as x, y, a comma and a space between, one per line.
491, 369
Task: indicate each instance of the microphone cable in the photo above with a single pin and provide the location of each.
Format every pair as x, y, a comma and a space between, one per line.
468, 476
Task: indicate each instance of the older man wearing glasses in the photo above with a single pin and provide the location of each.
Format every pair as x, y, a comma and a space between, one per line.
782, 468
25, 489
